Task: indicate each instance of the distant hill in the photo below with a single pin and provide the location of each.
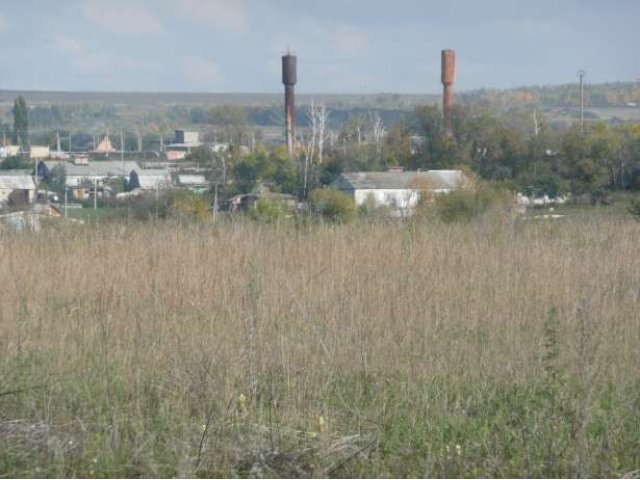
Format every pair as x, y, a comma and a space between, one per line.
595, 95
160, 112
160, 99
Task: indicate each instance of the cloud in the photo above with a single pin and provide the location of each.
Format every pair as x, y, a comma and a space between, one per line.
202, 73
225, 15
97, 62
68, 44
344, 39
340, 77
127, 20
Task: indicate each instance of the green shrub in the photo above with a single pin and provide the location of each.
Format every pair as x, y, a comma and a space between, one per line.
333, 205
634, 209
468, 203
268, 211
186, 205
372, 210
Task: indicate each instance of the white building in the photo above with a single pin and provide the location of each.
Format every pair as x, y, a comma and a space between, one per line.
39, 151
396, 189
18, 182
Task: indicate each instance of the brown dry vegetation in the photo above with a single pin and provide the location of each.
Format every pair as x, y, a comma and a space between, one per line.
479, 349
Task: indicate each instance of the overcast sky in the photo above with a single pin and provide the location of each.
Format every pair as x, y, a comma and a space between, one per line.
343, 46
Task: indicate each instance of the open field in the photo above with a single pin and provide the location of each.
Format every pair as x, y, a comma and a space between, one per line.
492, 348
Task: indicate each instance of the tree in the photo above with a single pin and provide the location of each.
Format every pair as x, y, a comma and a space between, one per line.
378, 130
20, 121
317, 115
273, 168
134, 181
56, 179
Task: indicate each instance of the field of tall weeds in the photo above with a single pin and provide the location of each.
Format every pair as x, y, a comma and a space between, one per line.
501, 349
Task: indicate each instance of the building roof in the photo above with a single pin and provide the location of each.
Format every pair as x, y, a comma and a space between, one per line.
16, 180
190, 179
98, 168
104, 145
432, 179
153, 178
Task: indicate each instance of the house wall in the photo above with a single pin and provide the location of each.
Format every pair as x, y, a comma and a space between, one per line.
5, 192
402, 199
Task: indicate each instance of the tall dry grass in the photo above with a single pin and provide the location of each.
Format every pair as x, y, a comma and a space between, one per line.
480, 349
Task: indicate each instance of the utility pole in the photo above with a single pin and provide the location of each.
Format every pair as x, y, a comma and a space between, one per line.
582, 73
122, 149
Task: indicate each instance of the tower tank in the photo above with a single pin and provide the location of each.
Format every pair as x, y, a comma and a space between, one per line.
448, 72
289, 78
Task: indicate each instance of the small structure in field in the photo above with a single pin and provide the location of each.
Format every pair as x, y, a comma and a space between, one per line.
16, 186
400, 191
194, 182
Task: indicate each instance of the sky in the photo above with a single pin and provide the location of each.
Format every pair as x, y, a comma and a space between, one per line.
357, 46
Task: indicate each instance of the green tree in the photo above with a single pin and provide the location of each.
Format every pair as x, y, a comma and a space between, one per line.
20, 121
273, 168
57, 179
333, 205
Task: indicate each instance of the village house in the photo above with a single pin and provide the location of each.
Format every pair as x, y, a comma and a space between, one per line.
81, 174
398, 190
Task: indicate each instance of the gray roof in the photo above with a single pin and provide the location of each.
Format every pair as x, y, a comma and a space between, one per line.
16, 180
97, 168
151, 178
433, 179
191, 179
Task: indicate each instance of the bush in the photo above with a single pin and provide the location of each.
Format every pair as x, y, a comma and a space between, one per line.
268, 211
186, 205
634, 209
371, 210
333, 205
468, 203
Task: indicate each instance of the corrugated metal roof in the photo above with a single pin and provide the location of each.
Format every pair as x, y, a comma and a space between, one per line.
16, 180
433, 179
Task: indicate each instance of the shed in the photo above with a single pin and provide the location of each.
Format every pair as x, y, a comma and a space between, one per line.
17, 184
397, 189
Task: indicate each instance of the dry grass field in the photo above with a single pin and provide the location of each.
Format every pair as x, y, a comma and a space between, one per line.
488, 348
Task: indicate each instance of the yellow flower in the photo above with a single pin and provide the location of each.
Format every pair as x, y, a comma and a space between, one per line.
458, 450
242, 403
321, 423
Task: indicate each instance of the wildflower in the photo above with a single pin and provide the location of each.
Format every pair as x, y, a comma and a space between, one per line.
458, 450
321, 424
242, 400
203, 427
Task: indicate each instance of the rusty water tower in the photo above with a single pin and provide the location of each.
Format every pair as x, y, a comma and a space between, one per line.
448, 77
289, 78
